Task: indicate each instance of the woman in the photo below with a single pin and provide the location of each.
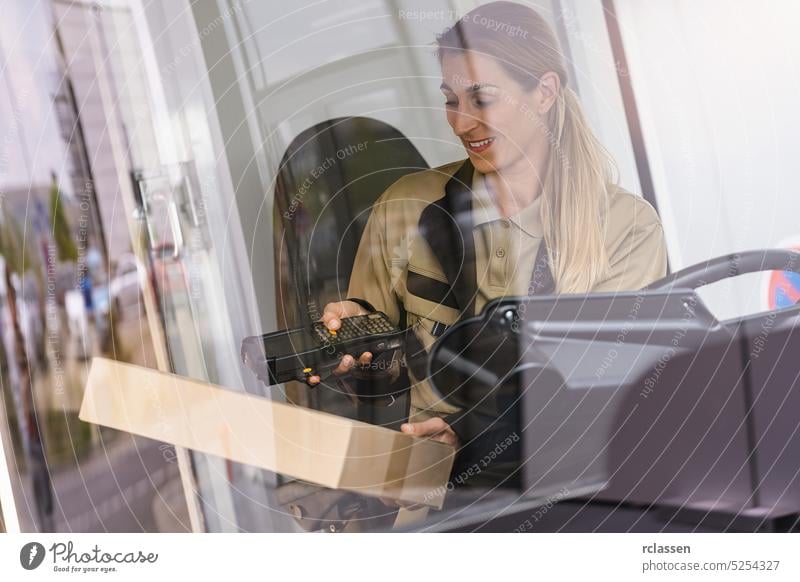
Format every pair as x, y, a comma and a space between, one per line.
536, 190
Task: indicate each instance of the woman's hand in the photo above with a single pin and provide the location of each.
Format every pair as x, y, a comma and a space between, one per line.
434, 428
332, 318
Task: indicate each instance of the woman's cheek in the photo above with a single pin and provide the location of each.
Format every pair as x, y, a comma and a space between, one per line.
451, 119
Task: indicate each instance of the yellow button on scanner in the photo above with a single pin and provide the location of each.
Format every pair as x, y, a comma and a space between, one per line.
306, 371
332, 331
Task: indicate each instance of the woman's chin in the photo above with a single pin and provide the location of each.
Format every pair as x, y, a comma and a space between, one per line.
483, 163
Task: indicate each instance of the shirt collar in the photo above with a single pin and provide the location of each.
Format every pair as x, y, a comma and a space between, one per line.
484, 210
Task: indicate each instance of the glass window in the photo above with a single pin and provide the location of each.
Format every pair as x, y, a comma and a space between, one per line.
178, 177
389, 101
721, 152
70, 289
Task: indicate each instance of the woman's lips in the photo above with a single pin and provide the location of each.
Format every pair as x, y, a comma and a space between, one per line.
480, 145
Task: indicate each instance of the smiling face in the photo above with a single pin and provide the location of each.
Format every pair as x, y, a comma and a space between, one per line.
501, 124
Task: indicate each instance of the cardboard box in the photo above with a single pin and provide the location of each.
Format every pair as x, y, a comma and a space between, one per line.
306, 444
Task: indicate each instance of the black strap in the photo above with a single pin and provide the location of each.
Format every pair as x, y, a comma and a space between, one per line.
363, 303
542, 283
439, 328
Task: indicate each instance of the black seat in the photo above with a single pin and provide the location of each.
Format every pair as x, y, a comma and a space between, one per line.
328, 179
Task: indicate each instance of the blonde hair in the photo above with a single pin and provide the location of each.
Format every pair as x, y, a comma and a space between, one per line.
576, 187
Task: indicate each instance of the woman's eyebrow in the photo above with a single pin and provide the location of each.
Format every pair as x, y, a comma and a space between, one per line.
470, 89
478, 86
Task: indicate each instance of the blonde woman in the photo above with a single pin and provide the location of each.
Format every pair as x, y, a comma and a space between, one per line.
532, 209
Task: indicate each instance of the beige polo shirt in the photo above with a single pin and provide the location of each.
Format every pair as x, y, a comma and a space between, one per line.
505, 248
505, 251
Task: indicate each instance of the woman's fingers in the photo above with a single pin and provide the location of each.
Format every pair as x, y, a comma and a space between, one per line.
425, 428
334, 313
434, 428
332, 318
345, 365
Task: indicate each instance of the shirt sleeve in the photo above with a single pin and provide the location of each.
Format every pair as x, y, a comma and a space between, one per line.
638, 255
371, 278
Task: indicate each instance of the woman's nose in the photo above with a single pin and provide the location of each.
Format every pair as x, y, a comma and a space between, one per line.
463, 122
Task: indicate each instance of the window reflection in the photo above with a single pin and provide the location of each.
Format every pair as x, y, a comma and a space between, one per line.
70, 289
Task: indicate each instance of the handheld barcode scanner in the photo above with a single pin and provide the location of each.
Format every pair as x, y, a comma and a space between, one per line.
296, 354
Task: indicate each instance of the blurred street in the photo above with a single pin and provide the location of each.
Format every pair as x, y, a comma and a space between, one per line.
101, 479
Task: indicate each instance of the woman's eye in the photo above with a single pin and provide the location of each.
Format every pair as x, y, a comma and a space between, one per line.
480, 102
450, 103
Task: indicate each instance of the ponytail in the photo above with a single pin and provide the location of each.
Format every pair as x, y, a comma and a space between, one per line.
575, 199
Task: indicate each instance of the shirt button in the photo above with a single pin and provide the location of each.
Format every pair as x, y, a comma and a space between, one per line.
504, 223
501, 252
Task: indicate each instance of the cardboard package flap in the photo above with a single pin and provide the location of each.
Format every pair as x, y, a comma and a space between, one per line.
306, 444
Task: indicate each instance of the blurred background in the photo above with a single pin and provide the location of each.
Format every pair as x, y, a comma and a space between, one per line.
164, 193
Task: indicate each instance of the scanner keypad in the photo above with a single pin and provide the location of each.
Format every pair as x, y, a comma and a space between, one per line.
357, 326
